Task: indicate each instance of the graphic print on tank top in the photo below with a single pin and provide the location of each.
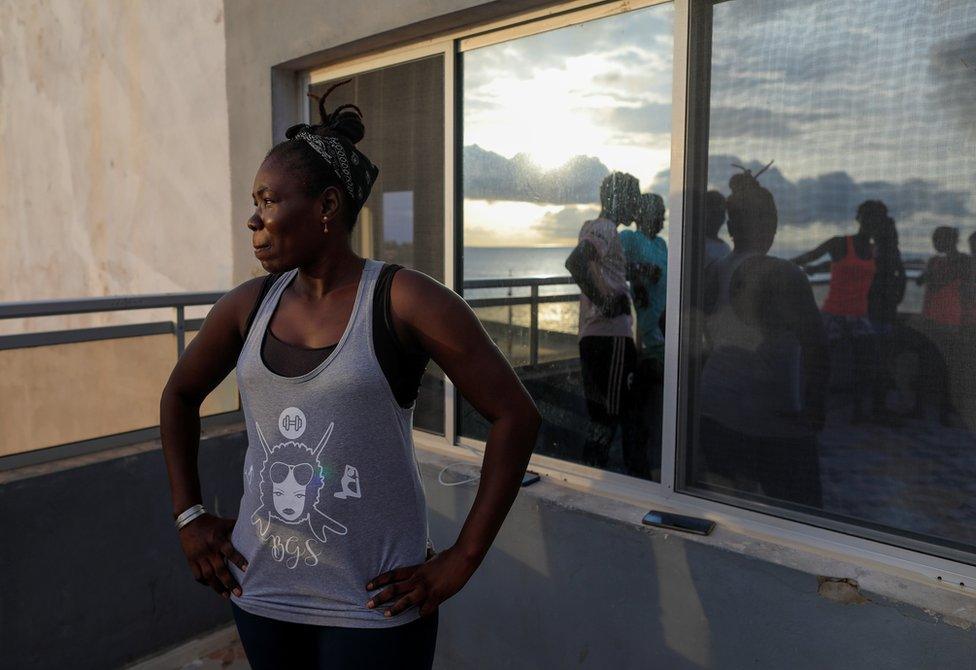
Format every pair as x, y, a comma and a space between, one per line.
290, 484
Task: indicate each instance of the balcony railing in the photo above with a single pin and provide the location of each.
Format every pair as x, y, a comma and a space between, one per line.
179, 326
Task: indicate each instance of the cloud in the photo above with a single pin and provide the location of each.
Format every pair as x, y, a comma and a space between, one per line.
490, 176
760, 122
833, 197
564, 223
952, 66
649, 118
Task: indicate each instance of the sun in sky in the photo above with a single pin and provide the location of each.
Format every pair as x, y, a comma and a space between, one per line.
601, 89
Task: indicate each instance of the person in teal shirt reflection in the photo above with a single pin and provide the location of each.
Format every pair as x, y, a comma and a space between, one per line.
647, 265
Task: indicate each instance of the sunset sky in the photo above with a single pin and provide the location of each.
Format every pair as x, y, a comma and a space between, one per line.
853, 99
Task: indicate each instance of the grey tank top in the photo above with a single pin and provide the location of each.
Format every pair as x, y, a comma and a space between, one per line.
332, 489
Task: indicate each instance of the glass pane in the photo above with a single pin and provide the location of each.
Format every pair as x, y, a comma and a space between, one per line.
833, 366
403, 220
547, 119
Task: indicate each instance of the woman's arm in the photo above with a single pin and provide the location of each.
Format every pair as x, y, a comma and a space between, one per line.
207, 360
583, 265
818, 268
648, 271
810, 256
430, 315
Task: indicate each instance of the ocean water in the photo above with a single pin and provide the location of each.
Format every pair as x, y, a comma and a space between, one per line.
516, 262
494, 262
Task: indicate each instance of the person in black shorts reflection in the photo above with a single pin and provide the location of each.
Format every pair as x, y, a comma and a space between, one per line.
608, 353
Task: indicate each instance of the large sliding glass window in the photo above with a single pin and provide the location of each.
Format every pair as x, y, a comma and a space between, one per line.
547, 119
403, 220
831, 351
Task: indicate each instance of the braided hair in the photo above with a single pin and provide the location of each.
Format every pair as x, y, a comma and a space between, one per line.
345, 123
751, 208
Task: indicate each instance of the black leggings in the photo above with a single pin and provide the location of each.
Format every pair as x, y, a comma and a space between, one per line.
271, 644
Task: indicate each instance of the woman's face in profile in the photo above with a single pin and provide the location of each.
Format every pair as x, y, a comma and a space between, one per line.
286, 226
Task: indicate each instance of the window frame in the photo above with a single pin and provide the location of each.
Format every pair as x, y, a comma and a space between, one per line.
935, 564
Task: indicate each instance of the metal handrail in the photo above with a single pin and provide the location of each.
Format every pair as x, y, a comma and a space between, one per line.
180, 326
38, 308
913, 269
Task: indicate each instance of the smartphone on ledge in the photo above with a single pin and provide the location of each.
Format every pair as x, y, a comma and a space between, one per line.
688, 524
529, 478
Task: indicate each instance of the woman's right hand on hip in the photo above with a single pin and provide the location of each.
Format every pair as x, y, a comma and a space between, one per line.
207, 546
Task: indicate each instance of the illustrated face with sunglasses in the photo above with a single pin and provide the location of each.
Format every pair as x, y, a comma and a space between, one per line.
291, 488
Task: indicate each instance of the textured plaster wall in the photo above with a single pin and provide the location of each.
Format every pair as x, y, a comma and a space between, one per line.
114, 169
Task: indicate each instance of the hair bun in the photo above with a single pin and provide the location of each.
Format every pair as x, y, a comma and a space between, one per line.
295, 129
745, 181
345, 120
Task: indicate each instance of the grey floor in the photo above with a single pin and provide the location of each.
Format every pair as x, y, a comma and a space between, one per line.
218, 650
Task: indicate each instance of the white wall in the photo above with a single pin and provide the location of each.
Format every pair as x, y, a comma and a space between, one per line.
114, 159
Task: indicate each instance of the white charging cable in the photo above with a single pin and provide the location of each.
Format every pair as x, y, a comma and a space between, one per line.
440, 475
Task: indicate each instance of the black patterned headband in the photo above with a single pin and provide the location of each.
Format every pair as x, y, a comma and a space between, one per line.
356, 172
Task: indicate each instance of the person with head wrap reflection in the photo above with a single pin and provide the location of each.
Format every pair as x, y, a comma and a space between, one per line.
762, 388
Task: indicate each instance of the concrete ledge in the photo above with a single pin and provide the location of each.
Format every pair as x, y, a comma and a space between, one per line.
575, 578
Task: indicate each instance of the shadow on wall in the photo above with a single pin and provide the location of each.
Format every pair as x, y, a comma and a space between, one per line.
564, 587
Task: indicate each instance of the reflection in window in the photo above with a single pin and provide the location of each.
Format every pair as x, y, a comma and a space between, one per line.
548, 120
403, 220
835, 345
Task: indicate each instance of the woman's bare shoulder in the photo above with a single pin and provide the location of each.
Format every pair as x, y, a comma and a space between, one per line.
236, 305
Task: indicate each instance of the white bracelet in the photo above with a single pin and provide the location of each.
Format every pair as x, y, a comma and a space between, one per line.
189, 515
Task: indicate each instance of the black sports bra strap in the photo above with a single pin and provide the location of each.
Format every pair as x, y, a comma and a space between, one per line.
265, 285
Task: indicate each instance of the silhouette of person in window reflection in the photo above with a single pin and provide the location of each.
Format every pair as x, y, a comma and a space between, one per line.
968, 299
886, 293
715, 247
942, 309
647, 262
608, 353
763, 384
845, 311
943, 278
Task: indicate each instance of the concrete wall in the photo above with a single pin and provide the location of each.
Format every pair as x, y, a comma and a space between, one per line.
115, 180
101, 581
98, 576
568, 585
114, 172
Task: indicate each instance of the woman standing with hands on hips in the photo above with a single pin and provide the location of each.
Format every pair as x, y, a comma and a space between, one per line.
329, 562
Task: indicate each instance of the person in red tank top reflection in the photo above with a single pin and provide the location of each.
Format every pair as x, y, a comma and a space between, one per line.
943, 306
943, 278
845, 311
